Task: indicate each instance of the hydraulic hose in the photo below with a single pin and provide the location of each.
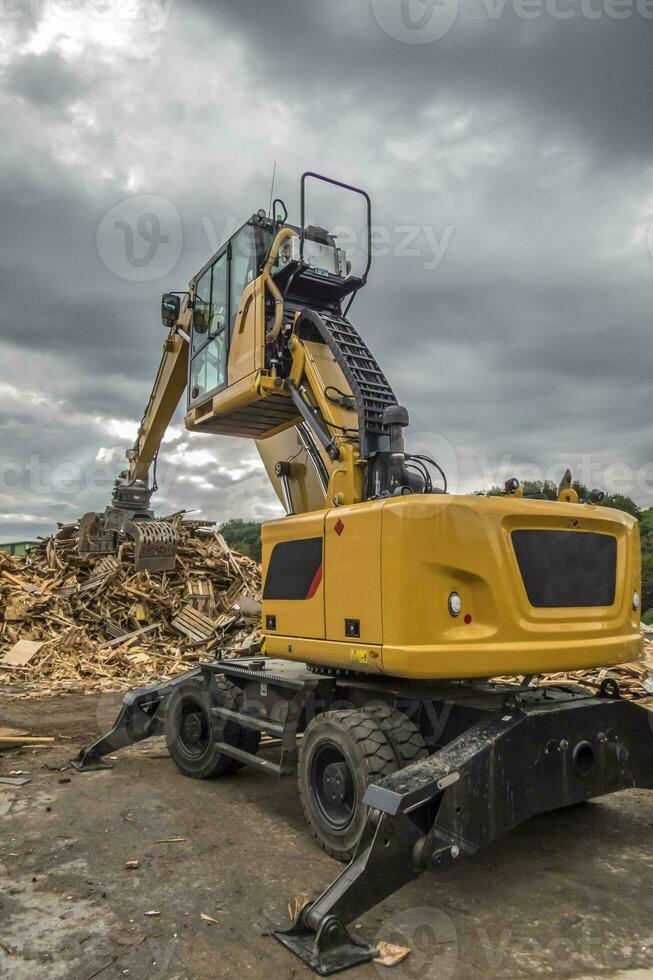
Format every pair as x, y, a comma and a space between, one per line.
271, 285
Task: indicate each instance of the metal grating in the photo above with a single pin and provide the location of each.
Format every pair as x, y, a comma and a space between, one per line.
369, 385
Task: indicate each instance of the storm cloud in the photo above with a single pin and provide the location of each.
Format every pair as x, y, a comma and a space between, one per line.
508, 149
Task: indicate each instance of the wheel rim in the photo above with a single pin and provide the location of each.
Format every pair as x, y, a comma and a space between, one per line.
333, 789
194, 729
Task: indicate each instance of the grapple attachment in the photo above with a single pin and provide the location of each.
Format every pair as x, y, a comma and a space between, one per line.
129, 516
155, 545
94, 538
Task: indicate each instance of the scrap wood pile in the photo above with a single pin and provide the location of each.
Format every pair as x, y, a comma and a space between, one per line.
67, 619
634, 679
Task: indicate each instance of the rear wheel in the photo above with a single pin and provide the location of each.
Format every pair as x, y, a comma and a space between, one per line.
402, 733
192, 730
341, 753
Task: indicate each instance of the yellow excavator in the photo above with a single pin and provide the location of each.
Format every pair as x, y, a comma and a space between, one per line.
388, 603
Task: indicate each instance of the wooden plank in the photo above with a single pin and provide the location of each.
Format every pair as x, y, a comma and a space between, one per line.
21, 653
191, 622
12, 742
129, 636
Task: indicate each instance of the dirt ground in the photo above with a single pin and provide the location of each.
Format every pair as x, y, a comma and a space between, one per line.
566, 895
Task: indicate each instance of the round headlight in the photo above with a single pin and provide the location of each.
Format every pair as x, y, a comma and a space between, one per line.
455, 604
636, 600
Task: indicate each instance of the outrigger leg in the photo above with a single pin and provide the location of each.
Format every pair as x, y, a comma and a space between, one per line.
543, 749
142, 715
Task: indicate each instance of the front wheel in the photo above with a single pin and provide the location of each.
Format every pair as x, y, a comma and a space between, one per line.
341, 753
192, 730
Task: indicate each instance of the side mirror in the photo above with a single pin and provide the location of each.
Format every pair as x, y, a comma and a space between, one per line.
170, 306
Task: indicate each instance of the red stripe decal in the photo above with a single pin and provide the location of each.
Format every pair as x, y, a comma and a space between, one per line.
315, 584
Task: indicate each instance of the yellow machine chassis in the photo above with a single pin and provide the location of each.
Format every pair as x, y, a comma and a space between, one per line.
390, 565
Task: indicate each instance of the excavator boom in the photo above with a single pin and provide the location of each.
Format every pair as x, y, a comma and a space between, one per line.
263, 348
129, 513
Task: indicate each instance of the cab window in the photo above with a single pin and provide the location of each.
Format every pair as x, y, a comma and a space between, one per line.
208, 368
243, 266
202, 311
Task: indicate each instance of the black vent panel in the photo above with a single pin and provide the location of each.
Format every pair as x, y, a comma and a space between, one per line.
567, 568
294, 570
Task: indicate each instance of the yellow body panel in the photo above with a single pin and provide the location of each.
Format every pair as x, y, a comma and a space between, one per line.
352, 572
429, 546
307, 490
310, 620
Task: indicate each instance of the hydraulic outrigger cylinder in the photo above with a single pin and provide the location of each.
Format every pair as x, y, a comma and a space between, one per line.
512, 752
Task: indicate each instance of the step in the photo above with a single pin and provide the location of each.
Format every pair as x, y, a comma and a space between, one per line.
256, 723
262, 676
249, 760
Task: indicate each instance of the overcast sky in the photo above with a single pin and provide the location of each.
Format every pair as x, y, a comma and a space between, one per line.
508, 149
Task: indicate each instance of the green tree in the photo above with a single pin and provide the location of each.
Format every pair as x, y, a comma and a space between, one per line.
549, 490
243, 536
646, 533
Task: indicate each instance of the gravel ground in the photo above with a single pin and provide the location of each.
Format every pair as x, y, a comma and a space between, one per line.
569, 894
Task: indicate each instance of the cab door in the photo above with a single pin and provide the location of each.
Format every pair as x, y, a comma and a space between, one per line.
242, 354
210, 332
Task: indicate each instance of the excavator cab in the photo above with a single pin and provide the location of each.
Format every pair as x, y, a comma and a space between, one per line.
246, 303
215, 294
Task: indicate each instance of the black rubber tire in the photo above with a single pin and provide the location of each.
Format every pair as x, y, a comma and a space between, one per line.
402, 733
206, 762
357, 737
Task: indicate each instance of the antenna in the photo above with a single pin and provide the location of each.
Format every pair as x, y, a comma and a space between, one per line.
274, 170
